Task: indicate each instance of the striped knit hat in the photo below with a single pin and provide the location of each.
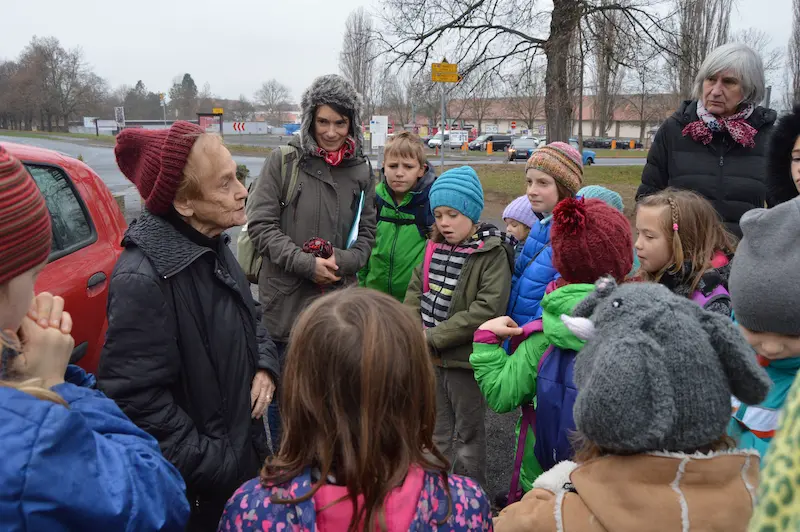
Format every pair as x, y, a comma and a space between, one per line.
154, 159
560, 161
25, 234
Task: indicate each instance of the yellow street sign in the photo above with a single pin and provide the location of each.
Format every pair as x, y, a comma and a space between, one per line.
217, 110
445, 78
444, 68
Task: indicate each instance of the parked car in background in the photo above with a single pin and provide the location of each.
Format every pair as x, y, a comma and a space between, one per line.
521, 147
88, 227
499, 142
588, 155
436, 140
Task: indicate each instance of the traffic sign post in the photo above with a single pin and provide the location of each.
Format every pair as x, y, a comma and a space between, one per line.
119, 117
444, 72
513, 126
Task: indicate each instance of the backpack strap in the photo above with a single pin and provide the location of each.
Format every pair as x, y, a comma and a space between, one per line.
528, 422
426, 265
289, 158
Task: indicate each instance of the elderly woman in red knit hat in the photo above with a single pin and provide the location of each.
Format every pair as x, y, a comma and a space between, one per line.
186, 355
71, 459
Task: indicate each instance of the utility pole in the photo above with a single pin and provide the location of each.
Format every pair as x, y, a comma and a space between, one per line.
768, 97
441, 148
162, 97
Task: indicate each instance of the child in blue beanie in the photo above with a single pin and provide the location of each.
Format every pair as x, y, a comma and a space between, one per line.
611, 199
464, 280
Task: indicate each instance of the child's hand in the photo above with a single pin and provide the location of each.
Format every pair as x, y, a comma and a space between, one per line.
502, 327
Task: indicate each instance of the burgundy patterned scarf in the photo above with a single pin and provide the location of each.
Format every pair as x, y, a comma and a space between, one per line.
736, 125
334, 158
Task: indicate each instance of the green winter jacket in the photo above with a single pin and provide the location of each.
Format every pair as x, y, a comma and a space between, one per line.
509, 382
399, 246
480, 295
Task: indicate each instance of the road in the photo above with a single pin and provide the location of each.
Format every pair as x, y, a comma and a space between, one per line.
499, 428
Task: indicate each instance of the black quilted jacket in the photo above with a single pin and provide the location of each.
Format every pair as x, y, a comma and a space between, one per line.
730, 176
184, 342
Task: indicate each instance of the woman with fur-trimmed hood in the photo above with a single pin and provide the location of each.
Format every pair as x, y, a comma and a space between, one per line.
304, 206
783, 163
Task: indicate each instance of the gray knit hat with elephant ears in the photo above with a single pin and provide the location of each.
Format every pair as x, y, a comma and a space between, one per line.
657, 372
326, 90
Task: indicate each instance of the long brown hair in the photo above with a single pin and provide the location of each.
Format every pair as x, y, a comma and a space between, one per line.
698, 236
357, 401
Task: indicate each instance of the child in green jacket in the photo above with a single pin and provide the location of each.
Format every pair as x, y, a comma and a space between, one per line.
404, 217
590, 239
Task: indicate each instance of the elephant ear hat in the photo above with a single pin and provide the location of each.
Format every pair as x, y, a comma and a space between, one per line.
657, 371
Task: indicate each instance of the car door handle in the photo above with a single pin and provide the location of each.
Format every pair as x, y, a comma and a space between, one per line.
79, 352
96, 279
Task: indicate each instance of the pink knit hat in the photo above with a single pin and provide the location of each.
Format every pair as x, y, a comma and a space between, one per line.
560, 161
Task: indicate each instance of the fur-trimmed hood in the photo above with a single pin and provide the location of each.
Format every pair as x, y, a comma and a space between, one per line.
658, 492
780, 186
328, 89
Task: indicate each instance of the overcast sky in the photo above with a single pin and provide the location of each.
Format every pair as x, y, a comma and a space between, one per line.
234, 44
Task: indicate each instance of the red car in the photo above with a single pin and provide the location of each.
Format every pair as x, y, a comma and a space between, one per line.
88, 226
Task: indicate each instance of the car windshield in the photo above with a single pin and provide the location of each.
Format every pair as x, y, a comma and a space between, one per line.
481, 138
524, 143
574, 144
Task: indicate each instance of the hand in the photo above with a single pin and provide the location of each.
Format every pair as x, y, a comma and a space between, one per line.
502, 327
261, 393
324, 271
48, 311
45, 350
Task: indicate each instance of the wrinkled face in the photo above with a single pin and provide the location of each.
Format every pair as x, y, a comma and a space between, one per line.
652, 246
220, 202
771, 345
402, 173
15, 298
330, 128
517, 229
454, 226
796, 164
722, 93
541, 191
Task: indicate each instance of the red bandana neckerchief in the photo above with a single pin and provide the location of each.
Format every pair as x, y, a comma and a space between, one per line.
703, 130
335, 158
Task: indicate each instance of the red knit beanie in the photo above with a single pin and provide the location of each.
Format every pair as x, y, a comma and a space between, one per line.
25, 234
590, 239
153, 160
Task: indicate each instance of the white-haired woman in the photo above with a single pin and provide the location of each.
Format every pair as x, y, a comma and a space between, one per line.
716, 145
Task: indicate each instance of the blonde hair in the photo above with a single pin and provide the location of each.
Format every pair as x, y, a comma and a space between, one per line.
405, 145
692, 228
190, 187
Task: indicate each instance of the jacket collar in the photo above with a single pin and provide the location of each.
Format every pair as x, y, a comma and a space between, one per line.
761, 116
167, 248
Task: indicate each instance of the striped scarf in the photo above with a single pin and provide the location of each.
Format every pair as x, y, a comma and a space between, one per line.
444, 272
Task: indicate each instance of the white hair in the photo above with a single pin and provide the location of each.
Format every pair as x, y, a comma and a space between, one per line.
740, 59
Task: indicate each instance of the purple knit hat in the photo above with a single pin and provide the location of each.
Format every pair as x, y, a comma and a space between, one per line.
520, 210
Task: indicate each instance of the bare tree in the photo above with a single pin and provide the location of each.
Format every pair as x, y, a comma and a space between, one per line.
607, 47
525, 94
397, 97
702, 25
357, 58
481, 97
242, 109
793, 60
645, 88
274, 97
503, 34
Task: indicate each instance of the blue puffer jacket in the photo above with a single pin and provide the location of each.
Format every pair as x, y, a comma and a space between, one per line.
533, 272
86, 467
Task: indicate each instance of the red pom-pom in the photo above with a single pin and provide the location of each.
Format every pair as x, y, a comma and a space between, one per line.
570, 215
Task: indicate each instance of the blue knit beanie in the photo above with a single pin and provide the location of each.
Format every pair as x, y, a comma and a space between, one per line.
460, 189
602, 193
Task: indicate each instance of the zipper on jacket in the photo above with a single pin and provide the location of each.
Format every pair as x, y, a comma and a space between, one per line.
295, 200
391, 257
